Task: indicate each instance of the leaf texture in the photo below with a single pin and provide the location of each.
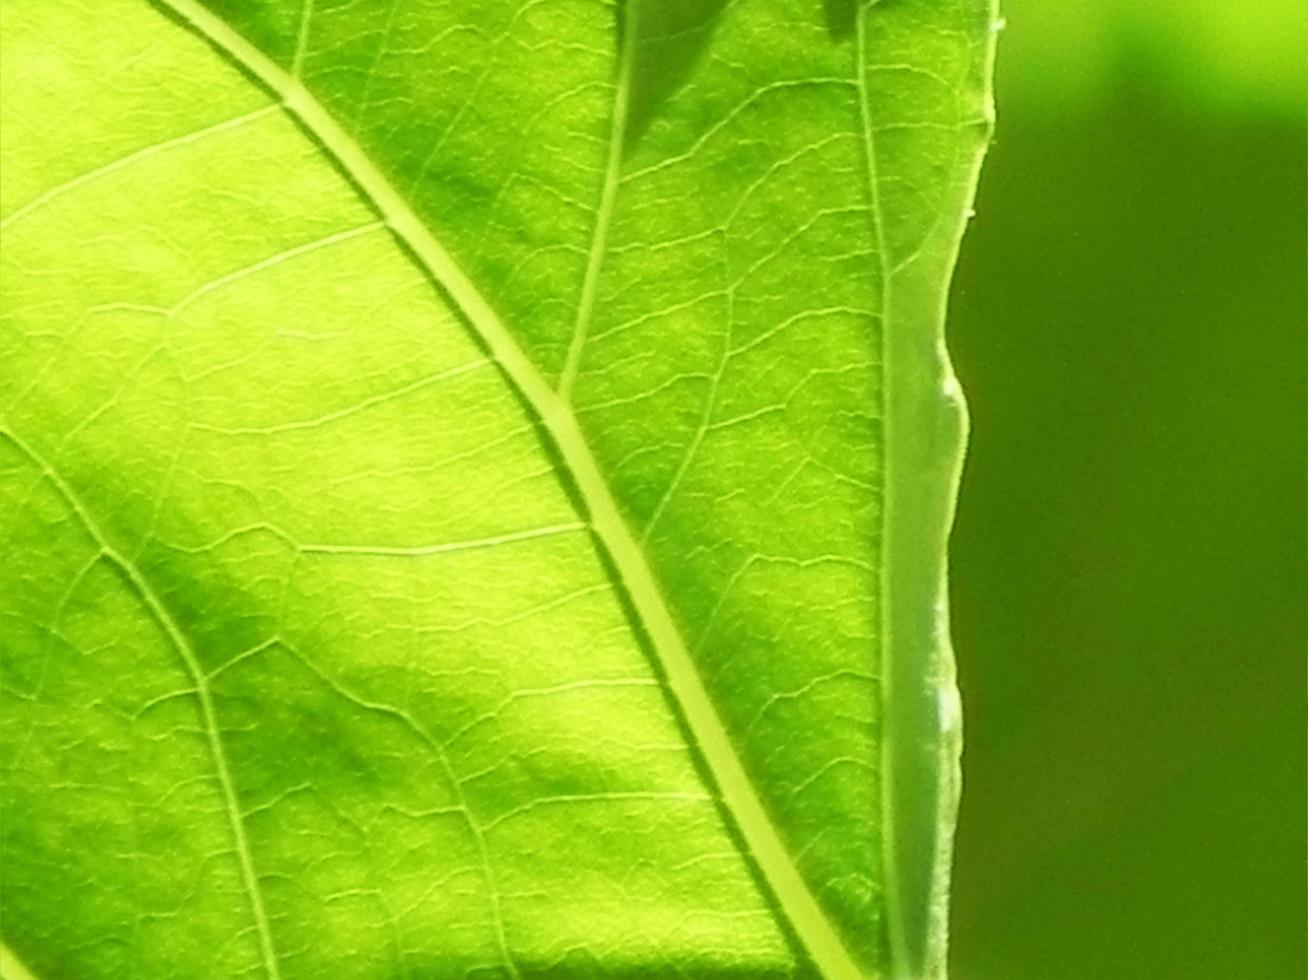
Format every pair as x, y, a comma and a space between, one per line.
475, 485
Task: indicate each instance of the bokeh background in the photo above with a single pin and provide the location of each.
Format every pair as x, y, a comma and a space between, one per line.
1129, 585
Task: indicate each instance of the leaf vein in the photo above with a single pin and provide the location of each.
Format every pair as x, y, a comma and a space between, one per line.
172, 629
136, 156
766, 847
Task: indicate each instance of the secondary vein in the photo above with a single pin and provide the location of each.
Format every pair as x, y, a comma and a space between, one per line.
164, 619
889, 851
766, 847
608, 198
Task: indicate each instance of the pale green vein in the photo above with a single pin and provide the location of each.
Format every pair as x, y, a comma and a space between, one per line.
271, 262
765, 845
245, 272
446, 547
159, 612
456, 786
889, 853
608, 199
144, 153
343, 413
302, 37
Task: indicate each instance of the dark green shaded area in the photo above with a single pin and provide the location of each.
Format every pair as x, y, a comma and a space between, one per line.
1129, 584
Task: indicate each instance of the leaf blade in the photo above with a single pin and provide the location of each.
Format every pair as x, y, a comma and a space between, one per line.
596, 435
288, 655
711, 738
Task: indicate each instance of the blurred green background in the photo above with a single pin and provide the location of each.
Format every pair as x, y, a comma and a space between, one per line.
1129, 581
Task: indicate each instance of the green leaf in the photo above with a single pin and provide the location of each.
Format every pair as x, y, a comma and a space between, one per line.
475, 481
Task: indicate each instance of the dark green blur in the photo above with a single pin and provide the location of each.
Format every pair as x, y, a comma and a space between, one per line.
1129, 584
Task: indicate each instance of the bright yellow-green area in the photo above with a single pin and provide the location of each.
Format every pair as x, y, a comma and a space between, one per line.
474, 485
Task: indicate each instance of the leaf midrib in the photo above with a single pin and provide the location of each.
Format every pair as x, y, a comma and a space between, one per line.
766, 848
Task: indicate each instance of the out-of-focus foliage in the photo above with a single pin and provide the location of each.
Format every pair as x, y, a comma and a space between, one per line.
1232, 58
1129, 586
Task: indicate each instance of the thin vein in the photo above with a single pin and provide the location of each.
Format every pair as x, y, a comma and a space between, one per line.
608, 200
352, 410
136, 156
264, 264
463, 806
889, 852
365, 101
474, 544
302, 38
702, 426
159, 612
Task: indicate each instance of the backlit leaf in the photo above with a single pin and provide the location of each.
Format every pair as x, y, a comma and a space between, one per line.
475, 479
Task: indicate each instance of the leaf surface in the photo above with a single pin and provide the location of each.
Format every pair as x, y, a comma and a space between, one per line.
476, 479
